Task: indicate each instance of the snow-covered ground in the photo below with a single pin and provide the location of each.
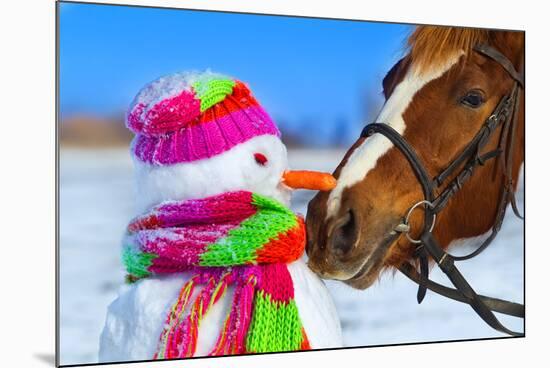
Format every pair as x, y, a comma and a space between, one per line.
96, 202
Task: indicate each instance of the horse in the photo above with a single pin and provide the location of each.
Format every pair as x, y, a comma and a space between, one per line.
439, 98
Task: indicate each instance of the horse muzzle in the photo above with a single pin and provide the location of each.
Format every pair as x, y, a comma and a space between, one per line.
352, 246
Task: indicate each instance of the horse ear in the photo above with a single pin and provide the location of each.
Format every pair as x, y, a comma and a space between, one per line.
511, 44
395, 75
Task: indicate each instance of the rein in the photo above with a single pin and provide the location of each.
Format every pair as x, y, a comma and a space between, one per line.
505, 115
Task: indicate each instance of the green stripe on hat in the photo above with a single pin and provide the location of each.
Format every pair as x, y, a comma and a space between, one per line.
210, 91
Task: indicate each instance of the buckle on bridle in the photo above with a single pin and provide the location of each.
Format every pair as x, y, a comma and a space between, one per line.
405, 226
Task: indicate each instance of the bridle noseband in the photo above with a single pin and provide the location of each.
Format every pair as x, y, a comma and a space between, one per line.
504, 115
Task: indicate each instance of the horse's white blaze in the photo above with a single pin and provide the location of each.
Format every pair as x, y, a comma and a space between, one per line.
364, 158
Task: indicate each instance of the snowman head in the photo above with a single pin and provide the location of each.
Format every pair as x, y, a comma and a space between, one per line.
202, 134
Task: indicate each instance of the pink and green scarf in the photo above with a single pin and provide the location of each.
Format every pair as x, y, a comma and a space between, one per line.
238, 238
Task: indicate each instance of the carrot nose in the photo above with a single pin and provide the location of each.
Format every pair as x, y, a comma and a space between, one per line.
303, 179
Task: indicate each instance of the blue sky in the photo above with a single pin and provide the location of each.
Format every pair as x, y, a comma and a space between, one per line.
306, 72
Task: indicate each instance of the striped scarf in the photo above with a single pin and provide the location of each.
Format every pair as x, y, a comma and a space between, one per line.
239, 238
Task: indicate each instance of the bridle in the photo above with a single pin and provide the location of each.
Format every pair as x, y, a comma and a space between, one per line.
505, 115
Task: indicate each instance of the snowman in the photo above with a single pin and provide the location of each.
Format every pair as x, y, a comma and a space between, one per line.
214, 258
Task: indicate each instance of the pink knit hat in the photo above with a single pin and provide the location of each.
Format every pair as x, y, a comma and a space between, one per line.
185, 117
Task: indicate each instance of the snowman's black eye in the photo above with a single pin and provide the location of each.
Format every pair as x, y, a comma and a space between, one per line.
260, 159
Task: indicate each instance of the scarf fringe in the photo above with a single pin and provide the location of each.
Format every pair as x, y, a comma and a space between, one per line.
179, 336
174, 318
255, 323
232, 338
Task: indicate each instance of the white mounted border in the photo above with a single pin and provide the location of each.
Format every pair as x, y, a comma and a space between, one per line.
28, 181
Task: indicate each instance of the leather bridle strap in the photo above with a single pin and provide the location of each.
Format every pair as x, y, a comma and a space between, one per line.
409, 153
494, 304
425, 182
446, 264
497, 56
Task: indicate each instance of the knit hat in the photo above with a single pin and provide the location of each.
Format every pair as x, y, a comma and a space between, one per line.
186, 117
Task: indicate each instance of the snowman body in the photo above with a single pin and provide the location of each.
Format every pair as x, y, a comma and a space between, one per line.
136, 318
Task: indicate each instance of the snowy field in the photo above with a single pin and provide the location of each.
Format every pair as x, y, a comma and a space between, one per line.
96, 202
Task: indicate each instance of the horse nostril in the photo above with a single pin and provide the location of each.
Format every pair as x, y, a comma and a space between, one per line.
309, 245
344, 234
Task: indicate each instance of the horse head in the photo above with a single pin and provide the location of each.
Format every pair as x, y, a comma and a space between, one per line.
437, 98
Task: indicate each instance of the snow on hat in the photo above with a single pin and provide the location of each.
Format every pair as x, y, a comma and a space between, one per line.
185, 117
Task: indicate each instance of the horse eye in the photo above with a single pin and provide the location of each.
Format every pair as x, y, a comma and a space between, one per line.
473, 99
260, 159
